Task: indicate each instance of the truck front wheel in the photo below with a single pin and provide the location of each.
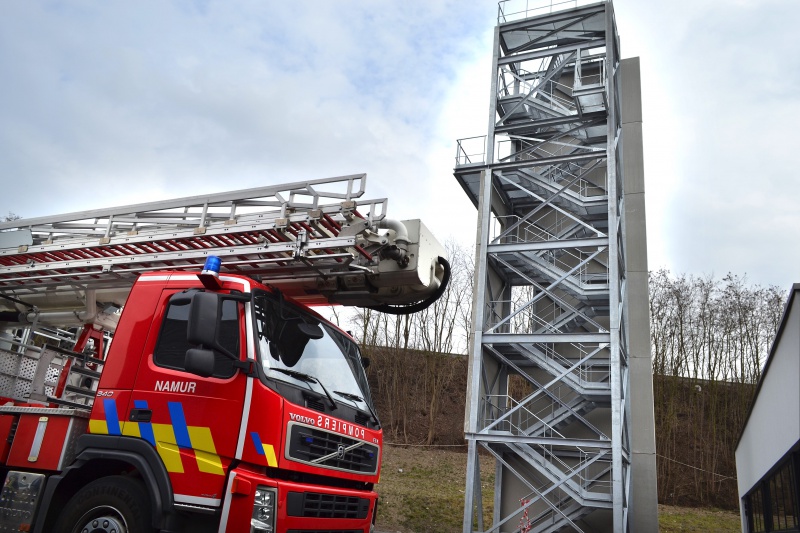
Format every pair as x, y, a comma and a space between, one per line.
114, 504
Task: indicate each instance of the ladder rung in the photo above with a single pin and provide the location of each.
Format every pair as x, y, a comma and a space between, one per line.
80, 390
77, 356
85, 372
66, 403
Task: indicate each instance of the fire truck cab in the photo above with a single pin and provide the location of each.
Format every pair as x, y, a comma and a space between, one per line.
221, 403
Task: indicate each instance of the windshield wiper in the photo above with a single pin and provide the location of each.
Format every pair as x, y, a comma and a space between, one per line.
309, 379
358, 398
349, 396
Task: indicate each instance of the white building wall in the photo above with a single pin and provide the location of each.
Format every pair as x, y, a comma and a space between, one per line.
773, 427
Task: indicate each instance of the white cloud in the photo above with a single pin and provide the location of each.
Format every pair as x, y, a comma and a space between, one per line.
117, 102
165, 99
718, 84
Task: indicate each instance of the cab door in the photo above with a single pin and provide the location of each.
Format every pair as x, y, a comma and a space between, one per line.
193, 422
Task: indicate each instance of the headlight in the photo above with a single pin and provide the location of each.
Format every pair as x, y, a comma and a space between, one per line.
263, 520
263, 497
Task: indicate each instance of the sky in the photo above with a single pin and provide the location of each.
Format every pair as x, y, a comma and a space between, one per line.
118, 102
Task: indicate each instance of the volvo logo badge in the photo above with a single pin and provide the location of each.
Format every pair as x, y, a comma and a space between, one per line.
340, 451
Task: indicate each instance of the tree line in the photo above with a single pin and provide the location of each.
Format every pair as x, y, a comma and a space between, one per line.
710, 339
415, 358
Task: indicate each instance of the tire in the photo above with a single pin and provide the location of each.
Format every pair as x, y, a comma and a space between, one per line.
111, 504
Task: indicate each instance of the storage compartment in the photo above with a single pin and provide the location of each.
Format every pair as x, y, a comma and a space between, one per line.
45, 437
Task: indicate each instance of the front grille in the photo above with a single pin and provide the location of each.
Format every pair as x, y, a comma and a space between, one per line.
316, 505
325, 449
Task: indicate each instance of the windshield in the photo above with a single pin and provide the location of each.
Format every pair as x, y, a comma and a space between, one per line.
298, 348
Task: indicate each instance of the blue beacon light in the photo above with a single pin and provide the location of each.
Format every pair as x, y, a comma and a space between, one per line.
209, 276
212, 266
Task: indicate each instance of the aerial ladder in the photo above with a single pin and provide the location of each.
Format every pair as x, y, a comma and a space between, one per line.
317, 240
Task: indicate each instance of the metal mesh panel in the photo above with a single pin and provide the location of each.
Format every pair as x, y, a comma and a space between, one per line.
6, 386
18, 371
8, 363
27, 368
21, 389
53, 373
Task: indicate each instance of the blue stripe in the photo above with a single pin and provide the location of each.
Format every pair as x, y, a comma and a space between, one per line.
145, 429
257, 442
179, 425
112, 418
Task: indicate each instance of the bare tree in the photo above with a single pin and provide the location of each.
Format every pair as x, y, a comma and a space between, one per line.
413, 354
441, 331
710, 339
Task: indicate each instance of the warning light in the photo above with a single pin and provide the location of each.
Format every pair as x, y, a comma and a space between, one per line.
212, 266
210, 273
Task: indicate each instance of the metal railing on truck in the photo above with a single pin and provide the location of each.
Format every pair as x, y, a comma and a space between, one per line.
47, 374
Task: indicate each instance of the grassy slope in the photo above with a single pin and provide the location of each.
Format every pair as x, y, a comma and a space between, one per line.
422, 490
690, 519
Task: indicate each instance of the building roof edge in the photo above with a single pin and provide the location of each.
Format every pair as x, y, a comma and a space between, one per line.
795, 290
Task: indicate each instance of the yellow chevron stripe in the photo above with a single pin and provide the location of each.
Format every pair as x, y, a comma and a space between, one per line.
202, 442
204, 450
131, 429
167, 447
269, 451
98, 427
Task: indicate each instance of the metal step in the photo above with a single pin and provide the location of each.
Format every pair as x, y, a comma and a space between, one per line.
548, 273
574, 512
80, 391
561, 417
85, 372
593, 390
556, 475
67, 403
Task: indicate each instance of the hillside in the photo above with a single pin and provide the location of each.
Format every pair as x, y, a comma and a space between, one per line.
420, 400
422, 491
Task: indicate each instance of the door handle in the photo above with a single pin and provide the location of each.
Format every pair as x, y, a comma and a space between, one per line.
140, 415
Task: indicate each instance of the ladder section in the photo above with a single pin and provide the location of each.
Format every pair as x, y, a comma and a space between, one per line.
320, 227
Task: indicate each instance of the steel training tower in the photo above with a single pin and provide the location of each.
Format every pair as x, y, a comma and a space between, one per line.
560, 314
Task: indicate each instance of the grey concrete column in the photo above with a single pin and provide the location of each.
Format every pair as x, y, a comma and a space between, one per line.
644, 494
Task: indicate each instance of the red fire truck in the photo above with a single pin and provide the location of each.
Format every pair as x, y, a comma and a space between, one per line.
161, 370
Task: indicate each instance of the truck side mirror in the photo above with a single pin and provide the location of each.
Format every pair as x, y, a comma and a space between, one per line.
312, 331
205, 312
293, 338
200, 361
